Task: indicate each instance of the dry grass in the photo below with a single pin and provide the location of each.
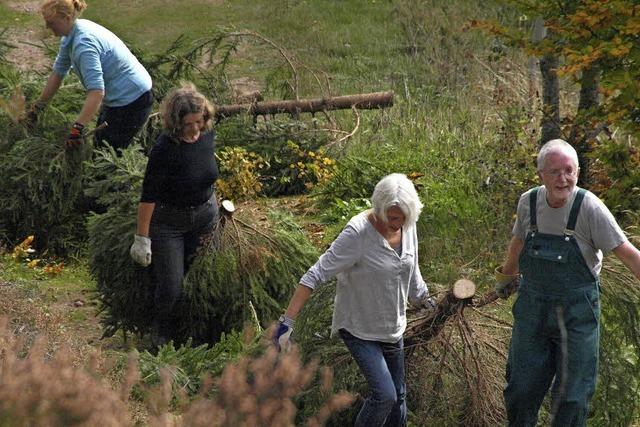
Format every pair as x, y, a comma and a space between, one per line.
45, 387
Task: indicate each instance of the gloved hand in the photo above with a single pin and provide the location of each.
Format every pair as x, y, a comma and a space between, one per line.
76, 135
282, 335
428, 303
31, 116
141, 250
505, 283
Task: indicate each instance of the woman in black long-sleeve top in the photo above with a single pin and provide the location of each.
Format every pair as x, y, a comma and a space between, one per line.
178, 204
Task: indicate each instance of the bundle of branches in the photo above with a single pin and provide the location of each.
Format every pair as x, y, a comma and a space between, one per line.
455, 359
249, 261
42, 193
124, 288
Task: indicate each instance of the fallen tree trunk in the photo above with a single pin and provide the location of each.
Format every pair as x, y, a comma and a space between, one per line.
363, 101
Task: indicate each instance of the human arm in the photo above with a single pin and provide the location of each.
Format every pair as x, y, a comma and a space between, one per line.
630, 257
343, 252
418, 290
507, 274
510, 265
91, 106
145, 211
300, 297
51, 87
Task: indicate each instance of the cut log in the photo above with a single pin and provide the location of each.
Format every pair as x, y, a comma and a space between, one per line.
363, 101
463, 289
423, 329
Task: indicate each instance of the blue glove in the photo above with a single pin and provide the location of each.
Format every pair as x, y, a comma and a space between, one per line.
282, 336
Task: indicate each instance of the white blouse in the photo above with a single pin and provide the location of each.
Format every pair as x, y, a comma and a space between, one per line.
374, 282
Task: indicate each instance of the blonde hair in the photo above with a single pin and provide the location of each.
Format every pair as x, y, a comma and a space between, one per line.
182, 101
396, 190
62, 8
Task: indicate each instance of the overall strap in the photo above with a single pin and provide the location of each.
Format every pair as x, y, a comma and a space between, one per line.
533, 203
575, 209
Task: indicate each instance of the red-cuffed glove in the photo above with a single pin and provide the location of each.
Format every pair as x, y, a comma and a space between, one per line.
76, 136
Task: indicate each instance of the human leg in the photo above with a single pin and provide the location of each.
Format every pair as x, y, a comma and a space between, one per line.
581, 321
394, 356
371, 361
123, 123
167, 247
531, 361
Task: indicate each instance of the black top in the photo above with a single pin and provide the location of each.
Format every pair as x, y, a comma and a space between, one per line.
181, 174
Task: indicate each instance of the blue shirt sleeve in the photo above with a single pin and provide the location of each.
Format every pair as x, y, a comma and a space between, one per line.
90, 67
62, 64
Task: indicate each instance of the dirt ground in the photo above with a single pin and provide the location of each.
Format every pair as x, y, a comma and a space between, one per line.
27, 55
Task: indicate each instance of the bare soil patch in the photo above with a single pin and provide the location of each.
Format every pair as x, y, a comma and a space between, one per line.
26, 56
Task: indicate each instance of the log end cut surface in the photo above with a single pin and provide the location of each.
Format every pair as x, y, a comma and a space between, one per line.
464, 289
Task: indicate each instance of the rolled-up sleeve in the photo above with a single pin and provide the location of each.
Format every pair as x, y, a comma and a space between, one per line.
342, 254
62, 63
90, 67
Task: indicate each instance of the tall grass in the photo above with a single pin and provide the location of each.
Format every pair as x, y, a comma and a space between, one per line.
463, 124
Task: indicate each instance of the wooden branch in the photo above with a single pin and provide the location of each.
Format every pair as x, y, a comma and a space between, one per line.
425, 328
365, 101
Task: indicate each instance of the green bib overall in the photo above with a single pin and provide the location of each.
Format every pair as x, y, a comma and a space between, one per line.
555, 330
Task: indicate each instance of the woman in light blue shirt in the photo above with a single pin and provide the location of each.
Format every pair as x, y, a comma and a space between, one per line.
375, 260
117, 85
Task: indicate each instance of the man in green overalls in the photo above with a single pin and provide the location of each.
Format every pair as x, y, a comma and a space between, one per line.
559, 236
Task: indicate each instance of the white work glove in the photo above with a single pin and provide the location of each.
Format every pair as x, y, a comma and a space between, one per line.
282, 335
505, 284
141, 250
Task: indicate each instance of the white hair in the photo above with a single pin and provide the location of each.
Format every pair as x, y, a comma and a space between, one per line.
396, 190
556, 146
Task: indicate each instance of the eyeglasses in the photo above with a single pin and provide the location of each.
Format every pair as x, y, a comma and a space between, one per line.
568, 173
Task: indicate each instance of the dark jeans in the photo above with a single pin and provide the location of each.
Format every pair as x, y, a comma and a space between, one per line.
175, 235
382, 364
123, 123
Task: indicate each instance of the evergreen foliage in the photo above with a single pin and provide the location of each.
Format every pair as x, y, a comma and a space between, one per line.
248, 260
249, 263
42, 193
124, 288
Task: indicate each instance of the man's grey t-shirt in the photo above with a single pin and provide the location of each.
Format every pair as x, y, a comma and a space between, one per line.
596, 229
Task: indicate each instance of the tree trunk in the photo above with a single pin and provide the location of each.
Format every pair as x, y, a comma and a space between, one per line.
361, 101
583, 129
550, 123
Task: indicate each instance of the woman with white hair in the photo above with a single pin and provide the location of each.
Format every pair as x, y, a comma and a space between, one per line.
375, 260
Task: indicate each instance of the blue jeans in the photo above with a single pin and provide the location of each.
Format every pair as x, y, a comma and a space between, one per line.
176, 234
123, 123
382, 365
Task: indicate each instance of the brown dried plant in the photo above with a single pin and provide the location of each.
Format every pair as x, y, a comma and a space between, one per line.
42, 391
260, 392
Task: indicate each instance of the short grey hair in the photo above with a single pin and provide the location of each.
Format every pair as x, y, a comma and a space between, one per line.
555, 146
396, 190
